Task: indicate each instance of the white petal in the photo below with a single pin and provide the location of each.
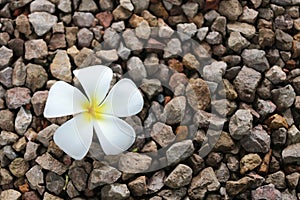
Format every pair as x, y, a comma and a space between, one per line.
95, 81
64, 99
114, 134
75, 136
124, 99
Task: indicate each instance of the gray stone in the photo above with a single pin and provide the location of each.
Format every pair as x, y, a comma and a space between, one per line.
291, 154
283, 97
265, 107
174, 110
249, 15
179, 151
283, 22
240, 124
215, 71
134, 163
23, 120
79, 177
266, 192
237, 42
54, 183
246, 83
143, 30
186, 31
10, 194
202, 32
179, 177
6, 77
115, 191
65, 6
279, 136
106, 4
42, 6
255, 59
283, 40
83, 19
36, 77
190, 9
151, 63
140, 6
173, 48
48, 196
31, 151
127, 4
245, 29
123, 51
151, 87
82, 57
277, 179
35, 49
136, 69
46, 161
102, 174
222, 173
293, 180
42, 22
108, 55
131, 41
293, 135
111, 38
6, 55
162, 134
258, 141
214, 38
17, 97
275, 75
205, 182
231, 9
23, 25
35, 176
85, 37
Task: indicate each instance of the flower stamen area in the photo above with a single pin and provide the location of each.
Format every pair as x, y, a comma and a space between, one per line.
93, 110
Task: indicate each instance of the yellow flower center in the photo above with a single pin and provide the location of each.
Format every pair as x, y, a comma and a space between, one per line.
93, 110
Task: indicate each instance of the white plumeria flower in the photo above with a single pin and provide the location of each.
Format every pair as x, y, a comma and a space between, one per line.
95, 111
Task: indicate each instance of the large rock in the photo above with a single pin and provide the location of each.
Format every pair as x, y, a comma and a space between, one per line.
174, 110
205, 182
46, 161
255, 59
283, 97
17, 97
61, 67
246, 83
134, 163
35, 49
179, 177
162, 134
231, 9
258, 141
42, 22
179, 151
291, 154
115, 191
240, 124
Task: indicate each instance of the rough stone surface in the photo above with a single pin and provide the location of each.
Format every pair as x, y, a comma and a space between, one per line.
255, 59
162, 134
17, 97
240, 124
42, 22
174, 111
179, 177
249, 162
61, 67
283, 97
291, 153
231, 9
246, 83
36, 77
179, 151
115, 192
46, 161
35, 49
134, 162
6, 55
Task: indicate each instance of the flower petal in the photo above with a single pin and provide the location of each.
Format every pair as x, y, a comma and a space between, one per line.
75, 136
123, 100
64, 99
95, 81
114, 134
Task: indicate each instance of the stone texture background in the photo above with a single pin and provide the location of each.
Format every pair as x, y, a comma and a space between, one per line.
251, 47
